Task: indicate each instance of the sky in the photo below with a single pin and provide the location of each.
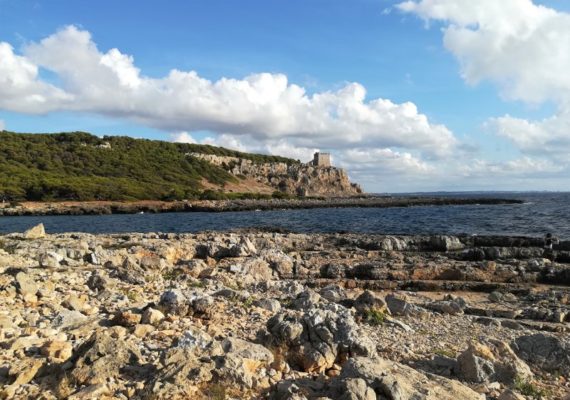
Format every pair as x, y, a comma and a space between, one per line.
407, 95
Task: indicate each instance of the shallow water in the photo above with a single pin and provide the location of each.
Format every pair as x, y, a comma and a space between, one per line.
541, 213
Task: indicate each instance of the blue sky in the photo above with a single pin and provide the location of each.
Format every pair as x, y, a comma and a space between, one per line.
396, 53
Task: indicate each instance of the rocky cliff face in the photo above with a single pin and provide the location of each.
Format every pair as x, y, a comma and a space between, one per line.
296, 179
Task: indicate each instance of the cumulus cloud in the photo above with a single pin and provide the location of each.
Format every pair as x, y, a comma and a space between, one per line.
182, 137
2, 125
264, 106
520, 46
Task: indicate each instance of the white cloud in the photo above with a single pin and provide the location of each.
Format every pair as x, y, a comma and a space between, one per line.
21, 89
548, 136
520, 46
264, 107
182, 137
2, 125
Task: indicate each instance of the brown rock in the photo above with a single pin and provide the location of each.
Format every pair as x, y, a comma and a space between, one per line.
57, 350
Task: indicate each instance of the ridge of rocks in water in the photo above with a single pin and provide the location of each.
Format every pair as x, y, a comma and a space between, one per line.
254, 315
116, 207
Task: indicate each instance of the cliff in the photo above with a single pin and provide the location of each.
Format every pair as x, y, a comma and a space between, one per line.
295, 179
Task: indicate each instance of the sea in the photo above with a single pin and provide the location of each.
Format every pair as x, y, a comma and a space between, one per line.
540, 213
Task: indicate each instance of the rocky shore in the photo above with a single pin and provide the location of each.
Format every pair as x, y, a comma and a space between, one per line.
111, 207
261, 315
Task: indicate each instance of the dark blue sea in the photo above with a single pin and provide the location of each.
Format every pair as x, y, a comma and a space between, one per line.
540, 213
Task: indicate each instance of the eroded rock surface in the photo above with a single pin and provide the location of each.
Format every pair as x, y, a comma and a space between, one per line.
252, 315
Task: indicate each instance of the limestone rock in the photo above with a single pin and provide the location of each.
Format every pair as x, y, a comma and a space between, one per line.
152, 316
545, 351
241, 363
318, 337
102, 357
57, 350
36, 232
174, 302
368, 301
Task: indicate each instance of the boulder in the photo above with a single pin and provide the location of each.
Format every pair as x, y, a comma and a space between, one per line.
101, 358
174, 302
545, 351
36, 232
364, 378
152, 316
368, 301
495, 362
399, 305
397, 381
317, 338
446, 243
268, 304
241, 363
333, 293
57, 350
50, 260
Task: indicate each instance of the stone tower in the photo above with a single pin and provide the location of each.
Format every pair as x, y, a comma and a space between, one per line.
322, 160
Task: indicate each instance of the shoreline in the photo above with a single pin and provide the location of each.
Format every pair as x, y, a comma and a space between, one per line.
118, 207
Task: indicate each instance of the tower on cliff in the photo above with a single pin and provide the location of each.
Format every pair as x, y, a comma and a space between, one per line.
322, 160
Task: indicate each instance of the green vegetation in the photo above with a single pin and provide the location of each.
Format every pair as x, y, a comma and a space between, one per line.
375, 317
529, 389
80, 166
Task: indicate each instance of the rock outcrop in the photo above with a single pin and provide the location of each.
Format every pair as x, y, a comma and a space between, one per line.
248, 315
295, 179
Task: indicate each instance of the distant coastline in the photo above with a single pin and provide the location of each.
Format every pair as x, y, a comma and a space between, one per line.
118, 207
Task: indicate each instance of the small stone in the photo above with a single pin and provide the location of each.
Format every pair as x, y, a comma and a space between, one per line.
142, 330
268, 304
152, 317
126, 319
50, 260
495, 297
